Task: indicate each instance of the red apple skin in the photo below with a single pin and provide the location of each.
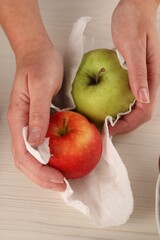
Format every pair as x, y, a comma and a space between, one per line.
75, 144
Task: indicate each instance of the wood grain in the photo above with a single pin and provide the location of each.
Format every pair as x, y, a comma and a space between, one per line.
29, 212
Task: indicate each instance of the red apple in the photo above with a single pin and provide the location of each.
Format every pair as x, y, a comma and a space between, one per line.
75, 144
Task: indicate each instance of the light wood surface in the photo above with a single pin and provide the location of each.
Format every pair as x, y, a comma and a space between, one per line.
30, 212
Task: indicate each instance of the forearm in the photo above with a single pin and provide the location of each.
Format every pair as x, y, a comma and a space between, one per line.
156, 2
140, 9
23, 25
152, 3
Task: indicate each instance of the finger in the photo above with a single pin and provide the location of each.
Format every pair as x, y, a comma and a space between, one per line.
140, 114
40, 100
135, 57
44, 176
153, 61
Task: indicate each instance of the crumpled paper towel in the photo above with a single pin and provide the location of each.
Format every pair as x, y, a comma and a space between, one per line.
104, 195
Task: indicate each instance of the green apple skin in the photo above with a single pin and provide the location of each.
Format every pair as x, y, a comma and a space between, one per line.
101, 86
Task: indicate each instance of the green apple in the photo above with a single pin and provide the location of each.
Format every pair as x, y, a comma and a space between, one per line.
101, 86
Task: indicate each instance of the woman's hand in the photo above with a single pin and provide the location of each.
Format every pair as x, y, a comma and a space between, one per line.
38, 78
135, 36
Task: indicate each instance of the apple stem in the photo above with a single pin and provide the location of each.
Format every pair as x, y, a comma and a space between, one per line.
98, 74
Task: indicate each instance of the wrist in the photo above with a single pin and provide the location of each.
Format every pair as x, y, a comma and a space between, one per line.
32, 45
147, 9
22, 23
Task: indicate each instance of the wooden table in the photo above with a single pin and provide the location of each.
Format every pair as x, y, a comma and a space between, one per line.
30, 212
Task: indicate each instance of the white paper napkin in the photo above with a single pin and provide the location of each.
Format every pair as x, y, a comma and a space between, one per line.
105, 194
42, 152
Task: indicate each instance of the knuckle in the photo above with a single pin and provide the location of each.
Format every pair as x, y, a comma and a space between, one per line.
141, 46
42, 178
146, 113
16, 109
43, 184
148, 116
40, 174
141, 74
38, 81
18, 159
18, 162
36, 115
124, 45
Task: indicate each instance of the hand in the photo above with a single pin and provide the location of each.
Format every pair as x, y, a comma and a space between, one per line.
135, 36
38, 78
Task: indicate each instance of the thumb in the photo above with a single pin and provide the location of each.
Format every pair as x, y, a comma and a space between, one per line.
137, 71
39, 115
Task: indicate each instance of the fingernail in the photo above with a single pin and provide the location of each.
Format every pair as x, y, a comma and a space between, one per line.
56, 181
34, 136
144, 95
